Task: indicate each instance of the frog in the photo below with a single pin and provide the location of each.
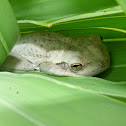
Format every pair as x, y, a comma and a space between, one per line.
58, 54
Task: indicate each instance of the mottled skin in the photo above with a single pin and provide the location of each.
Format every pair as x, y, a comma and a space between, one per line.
58, 54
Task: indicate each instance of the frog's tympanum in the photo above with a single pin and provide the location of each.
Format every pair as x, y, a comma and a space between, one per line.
59, 54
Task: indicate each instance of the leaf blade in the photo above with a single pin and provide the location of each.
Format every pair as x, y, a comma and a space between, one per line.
9, 30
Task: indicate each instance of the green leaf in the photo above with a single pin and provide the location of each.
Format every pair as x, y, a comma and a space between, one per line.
117, 69
43, 100
45, 12
9, 30
32, 99
54, 9
104, 17
122, 3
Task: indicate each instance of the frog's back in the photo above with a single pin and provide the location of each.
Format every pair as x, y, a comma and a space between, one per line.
42, 46
55, 40
46, 46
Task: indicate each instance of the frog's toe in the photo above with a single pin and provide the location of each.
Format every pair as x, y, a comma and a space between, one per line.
16, 63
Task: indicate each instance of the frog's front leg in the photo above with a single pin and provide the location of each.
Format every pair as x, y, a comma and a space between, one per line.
60, 69
16, 63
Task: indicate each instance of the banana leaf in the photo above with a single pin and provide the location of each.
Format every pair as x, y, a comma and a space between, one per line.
38, 99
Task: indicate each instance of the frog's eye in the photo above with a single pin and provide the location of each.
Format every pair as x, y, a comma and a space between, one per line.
76, 66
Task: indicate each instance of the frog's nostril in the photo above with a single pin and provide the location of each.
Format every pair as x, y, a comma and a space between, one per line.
105, 63
100, 65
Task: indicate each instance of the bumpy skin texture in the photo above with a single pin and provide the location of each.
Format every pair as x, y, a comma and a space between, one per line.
56, 53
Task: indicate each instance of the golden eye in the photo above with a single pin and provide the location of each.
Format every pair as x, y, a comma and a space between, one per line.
76, 66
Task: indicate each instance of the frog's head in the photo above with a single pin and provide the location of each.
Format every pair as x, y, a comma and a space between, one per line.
84, 67
90, 59
84, 56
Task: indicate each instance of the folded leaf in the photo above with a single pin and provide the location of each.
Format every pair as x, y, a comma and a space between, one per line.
43, 100
9, 30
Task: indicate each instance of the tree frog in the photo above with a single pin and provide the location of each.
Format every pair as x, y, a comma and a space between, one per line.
59, 54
